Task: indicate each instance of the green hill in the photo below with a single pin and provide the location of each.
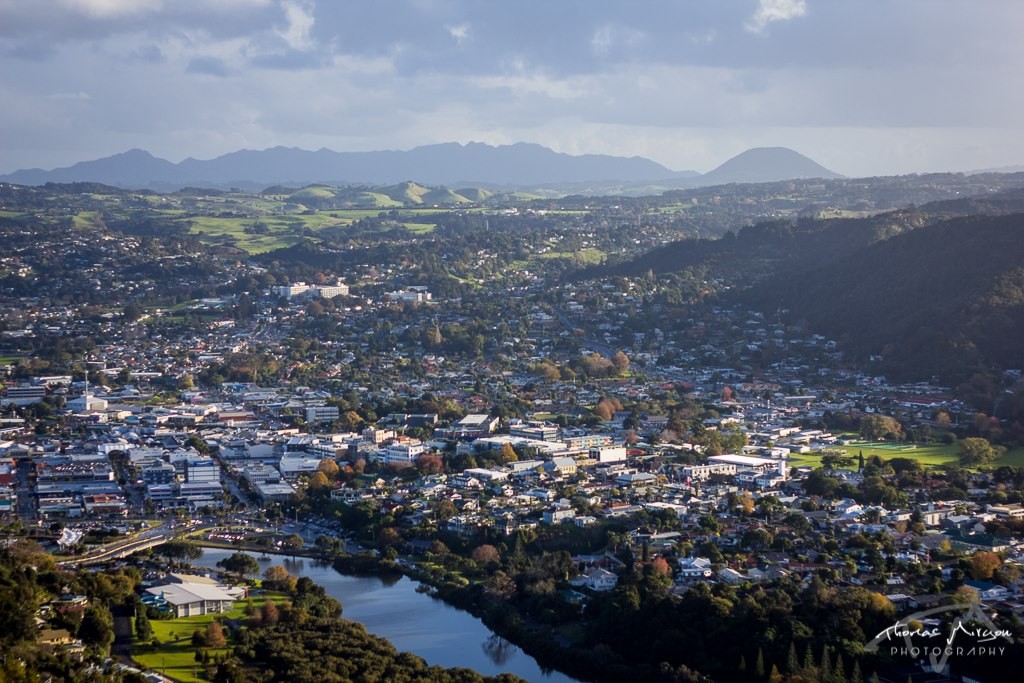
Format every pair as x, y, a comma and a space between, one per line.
313, 192
445, 197
947, 298
406, 193
475, 194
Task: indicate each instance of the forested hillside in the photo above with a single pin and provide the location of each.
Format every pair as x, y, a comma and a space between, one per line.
932, 290
946, 298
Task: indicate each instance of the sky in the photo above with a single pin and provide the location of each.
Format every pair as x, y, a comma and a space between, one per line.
864, 87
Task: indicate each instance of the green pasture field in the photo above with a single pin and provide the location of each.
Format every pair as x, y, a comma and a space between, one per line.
176, 654
590, 255
420, 228
84, 219
281, 230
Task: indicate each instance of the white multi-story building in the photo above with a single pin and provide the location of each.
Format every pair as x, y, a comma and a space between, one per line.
202, 469
608, 453
330, 291
24, 395
401, 453
288, 291
410, 296
316, 414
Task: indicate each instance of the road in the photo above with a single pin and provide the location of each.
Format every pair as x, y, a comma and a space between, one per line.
26, 475
124, 547
591, 344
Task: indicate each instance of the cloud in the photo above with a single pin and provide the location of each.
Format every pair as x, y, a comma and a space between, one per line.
300, 21
459, 32
112, 8
609, 37
775, 10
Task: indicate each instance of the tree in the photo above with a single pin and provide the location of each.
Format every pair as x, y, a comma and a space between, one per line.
501, 586
878, 427
429, 463
620, 361
507, 454
241, 564
180, 550
485, 554
292, 543
278, 578
269, 614
976, 450
319, 480
97, 628
143, 629
444, 509
984, 564
215, 637
329, 467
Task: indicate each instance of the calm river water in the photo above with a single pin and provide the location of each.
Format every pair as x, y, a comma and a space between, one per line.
413, 622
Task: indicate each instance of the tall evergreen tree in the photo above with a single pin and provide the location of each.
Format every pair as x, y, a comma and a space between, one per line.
143, 629
792, 664
825, 668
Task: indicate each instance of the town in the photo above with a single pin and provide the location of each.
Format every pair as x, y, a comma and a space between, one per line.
438, 411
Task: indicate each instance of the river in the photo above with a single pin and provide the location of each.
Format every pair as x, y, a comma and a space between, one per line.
413, 622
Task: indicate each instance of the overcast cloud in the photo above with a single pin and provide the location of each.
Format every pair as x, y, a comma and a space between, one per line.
865, 87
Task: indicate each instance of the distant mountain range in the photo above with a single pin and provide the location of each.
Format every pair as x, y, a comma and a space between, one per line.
521, 165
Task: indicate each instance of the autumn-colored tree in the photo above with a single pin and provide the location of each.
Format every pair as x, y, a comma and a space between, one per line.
547, 370
269, 613
215, 637
620, 361
984, 564
278, 578
607, 407
329, 467
596, 365
746, 502
430, 463
507, 454
319, 480
485, 554
661, 566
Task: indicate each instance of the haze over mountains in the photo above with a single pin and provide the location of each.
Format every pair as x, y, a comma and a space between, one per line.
506, 166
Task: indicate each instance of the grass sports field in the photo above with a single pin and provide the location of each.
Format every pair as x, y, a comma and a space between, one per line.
931, 455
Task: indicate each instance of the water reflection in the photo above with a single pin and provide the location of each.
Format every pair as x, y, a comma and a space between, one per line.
498, 649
